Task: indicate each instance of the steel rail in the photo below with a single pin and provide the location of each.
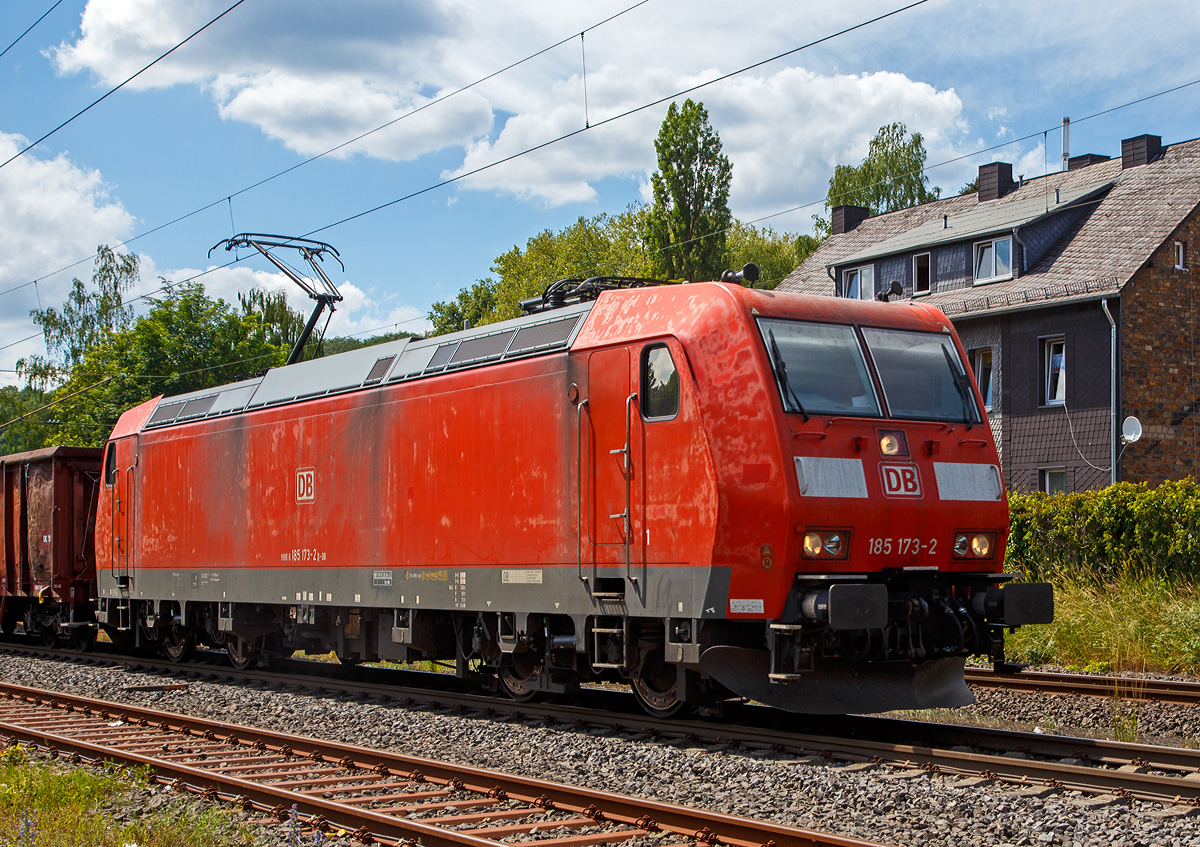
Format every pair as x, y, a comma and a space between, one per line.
227, 761
1180, 692
1093, 766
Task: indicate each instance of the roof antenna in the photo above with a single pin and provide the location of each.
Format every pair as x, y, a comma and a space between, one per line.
1066, 145
325, 295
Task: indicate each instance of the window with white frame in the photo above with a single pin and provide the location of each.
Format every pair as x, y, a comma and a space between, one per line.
1053, 480
1179, 256
993, 260
920, 274
859, 283
981, 360
1054, 355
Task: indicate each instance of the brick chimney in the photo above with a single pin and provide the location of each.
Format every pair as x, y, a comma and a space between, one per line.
846, 218
1140, 150
995, 180
1087, 159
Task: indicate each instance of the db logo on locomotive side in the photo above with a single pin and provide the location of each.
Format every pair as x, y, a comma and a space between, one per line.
900, 480
306, 485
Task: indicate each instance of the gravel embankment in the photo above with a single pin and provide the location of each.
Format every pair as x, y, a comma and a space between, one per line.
859, 801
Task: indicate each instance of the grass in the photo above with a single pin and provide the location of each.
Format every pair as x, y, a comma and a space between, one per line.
1142, 624
43, 805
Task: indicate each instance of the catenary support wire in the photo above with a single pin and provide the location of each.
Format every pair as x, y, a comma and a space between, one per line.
31, 26
106, 94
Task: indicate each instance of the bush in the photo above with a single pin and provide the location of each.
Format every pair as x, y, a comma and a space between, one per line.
1119, 533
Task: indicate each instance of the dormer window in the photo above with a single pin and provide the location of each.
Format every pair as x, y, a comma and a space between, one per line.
859, 283
993, 260
920, 274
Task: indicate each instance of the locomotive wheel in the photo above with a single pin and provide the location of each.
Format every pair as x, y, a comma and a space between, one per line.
657, 695
517, 674
241, 652
83, 638
47, 635
179, 644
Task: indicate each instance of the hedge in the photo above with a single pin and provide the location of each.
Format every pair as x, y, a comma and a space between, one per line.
1121, 532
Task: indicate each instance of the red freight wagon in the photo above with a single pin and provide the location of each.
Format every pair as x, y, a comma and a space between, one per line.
699, 489
48, 580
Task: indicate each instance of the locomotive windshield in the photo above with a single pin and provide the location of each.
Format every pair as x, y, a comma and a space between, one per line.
922, 375
819, 368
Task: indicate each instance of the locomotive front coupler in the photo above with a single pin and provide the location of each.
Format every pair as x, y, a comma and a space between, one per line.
869, 601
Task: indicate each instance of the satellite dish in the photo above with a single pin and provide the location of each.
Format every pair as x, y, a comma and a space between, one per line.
1131, 430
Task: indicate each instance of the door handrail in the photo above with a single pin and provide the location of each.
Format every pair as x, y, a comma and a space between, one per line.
579, 490
627, 455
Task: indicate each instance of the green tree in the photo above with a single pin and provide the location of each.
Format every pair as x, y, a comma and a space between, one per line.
776, 255
604, 245
471, 306
891, 177
281, 323
689, 217
971, 186
186, 342
87, 318
25, 431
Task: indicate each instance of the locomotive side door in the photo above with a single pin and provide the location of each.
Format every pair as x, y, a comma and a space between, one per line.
119, 475
610, 414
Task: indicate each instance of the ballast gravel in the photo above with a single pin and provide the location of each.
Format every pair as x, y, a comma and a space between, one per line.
860, 801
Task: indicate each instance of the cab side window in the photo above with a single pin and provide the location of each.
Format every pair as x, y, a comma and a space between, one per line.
110, 465
660, 383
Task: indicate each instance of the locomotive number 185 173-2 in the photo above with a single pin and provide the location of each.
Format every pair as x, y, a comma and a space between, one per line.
901, 546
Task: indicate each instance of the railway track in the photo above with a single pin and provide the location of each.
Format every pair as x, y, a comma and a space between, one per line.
1023, 760
380, 796
1089, 685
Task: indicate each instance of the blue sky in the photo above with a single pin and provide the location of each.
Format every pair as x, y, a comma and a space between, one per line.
277, 81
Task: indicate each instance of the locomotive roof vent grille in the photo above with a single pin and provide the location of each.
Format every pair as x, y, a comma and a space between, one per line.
197, 406
481, 349
379, 369
165, 413
441, 357
550, 334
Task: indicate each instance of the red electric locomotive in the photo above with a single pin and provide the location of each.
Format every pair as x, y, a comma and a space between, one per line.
703, 490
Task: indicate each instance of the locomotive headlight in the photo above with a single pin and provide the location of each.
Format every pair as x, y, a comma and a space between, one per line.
893, 442
974, 545
826, 544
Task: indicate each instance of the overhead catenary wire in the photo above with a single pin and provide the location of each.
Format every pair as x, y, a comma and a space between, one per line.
620, 116
31, 26
656, 102
789, 210
344, 144
117, 88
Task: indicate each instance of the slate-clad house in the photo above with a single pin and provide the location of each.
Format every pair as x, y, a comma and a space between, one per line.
1075, 296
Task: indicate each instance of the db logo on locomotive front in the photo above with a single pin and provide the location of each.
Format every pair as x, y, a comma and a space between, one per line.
900, 480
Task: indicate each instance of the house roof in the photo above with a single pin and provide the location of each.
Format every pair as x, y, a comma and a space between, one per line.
1117, 231
984, 219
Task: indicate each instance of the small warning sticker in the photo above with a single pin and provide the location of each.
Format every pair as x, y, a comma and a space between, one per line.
745, 607
528, 576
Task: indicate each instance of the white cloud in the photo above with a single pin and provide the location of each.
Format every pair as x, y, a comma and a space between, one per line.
312, 75
52, 213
